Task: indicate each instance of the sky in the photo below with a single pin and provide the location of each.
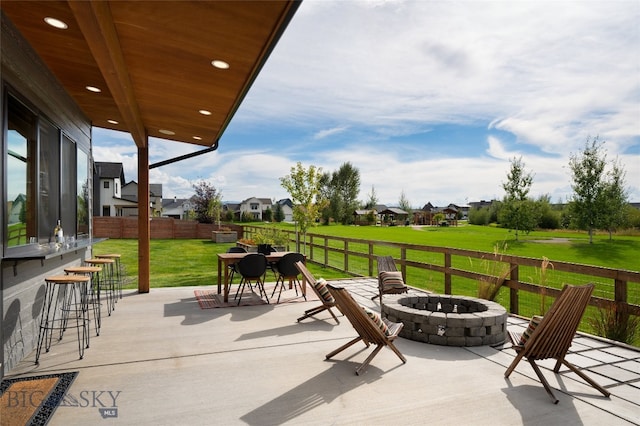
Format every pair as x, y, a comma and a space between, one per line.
430, 99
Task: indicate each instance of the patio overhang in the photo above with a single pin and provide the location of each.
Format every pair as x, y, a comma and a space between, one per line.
152, 60
175, 70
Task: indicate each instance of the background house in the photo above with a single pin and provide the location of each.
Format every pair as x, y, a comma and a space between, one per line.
394, 216
234, 208
113, 197
107, 189
177, 208
287, 208
361, 217
255, 207
129, 206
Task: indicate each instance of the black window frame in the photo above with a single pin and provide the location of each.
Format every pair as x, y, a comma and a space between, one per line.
61, 159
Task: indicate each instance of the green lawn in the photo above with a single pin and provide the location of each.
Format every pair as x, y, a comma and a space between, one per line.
194, 262
622, 252
177, 263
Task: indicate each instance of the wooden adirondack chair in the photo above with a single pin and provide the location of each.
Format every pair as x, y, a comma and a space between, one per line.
370, 326
325, 298
552, 337
388, 284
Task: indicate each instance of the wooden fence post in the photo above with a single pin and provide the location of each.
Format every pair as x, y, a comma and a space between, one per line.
370, 259
514, 303
346, 256
447, 272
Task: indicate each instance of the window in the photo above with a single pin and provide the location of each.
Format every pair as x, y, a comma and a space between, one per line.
254, 206
21, 173
49, 193
105, 185
47, 178
82, 193
68, 203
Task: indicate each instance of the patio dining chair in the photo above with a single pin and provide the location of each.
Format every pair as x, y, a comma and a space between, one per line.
286, 268
370, 326
320, 289
551, 336
252, 268
232, 266
267, 249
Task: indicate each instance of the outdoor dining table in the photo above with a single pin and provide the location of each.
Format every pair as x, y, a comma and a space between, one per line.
226, 259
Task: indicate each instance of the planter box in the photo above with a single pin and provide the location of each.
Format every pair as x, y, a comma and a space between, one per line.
224, 236
250, 248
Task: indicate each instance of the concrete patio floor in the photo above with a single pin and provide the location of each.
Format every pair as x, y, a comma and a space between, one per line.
160, 359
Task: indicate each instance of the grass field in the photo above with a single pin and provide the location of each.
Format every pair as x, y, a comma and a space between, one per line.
176, 263
622, 252
193, 262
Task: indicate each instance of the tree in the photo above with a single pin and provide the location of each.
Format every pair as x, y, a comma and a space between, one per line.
303, 185
340, 189
215, 209
346, 186
614, 200
372, 201
278, 215
479, 216
633, 217
205, 194
326, 193
404, 204
518, 212
587, 169
548, 218
267, 215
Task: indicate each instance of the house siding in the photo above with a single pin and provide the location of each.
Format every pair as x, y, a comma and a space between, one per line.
22, 281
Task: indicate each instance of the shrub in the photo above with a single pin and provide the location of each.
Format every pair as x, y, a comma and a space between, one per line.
497, 271
549, 219
615, 325
479, 216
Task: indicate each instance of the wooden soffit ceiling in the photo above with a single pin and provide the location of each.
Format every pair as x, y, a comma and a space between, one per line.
152, 60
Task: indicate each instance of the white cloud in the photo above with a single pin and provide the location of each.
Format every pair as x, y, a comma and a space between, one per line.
550, 74
542, 63
328, 132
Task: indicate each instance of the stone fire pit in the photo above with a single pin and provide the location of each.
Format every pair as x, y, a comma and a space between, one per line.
447, 320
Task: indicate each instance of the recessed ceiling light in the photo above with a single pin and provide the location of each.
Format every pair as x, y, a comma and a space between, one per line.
167, 132
220, 64
198, 138
56, 23
112, 122
93, 89
204, 112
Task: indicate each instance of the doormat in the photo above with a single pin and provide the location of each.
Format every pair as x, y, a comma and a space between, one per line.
32, 400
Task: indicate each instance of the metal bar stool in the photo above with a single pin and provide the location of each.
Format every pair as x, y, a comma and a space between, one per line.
65, 300
105, 280
118, 270
93, 290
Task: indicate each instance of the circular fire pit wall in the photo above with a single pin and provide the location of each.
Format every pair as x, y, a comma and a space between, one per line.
447, 320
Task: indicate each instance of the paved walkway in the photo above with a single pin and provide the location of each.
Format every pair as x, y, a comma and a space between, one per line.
162, 360
613, 365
